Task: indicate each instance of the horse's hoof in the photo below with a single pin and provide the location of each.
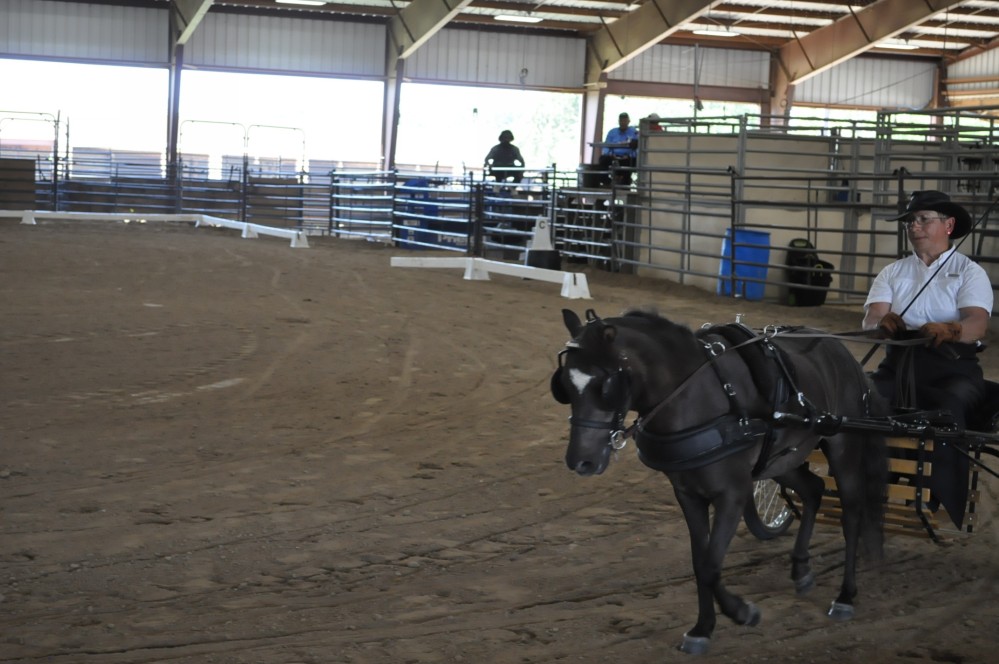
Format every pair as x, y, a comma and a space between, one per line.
804, 584
753, 619
840, 611
694, 645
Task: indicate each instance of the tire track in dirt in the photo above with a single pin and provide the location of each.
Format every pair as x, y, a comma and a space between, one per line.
148, 390
284, 527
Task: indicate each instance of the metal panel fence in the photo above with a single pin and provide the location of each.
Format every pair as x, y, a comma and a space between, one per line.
715, 203
433, 212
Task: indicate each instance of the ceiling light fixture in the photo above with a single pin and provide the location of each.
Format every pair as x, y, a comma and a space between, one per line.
716, 31
898, 46
518, 18
307, 3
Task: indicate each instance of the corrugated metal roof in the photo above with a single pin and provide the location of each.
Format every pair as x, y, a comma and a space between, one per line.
761, 24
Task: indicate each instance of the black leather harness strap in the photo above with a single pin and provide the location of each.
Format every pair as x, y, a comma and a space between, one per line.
735, 430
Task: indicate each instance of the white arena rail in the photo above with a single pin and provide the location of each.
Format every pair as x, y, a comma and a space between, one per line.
248, 230
574, 285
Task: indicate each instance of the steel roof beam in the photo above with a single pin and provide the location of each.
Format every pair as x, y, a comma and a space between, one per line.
419, 21
847, 37
620, 41
187, 15
851, 35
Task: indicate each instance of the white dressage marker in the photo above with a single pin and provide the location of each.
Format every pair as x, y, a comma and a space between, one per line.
298, 238
249, 230
574, 285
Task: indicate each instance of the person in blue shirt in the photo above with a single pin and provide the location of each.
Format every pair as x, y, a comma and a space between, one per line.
620, 148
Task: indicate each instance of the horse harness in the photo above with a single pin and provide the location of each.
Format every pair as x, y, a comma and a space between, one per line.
733, 431
728, 434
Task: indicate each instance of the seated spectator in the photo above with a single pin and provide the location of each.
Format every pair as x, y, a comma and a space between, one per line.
620, 150
503, 156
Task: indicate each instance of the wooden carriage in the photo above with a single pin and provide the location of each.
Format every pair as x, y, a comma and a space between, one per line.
908, 493
909, 471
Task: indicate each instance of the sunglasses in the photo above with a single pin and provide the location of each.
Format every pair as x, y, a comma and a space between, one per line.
921, 220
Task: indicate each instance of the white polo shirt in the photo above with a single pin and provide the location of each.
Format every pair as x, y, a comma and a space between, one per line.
961, 283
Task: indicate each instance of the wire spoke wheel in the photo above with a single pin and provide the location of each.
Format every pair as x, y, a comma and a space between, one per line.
768, 515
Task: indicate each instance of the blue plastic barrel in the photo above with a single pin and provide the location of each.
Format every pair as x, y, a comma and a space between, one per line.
752, 254
419, 202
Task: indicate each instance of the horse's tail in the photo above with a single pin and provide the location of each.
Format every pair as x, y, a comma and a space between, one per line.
874, 459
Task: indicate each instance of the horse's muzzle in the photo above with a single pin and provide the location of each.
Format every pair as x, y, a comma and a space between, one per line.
589, 450
587, 468
588, 465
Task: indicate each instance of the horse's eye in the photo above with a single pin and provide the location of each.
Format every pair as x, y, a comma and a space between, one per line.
612, 391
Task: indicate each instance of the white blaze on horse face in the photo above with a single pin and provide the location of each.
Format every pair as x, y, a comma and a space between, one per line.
580, 380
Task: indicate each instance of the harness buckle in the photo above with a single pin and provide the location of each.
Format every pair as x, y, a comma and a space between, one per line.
618, 440
715, 348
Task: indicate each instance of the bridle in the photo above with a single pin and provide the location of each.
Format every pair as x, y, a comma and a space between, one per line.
616, 384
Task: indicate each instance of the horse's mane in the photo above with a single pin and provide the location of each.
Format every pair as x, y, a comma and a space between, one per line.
657, 325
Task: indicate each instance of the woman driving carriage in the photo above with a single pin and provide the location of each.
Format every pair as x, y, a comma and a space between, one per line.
952, 312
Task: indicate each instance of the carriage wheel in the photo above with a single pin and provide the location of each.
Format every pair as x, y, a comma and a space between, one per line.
768, 515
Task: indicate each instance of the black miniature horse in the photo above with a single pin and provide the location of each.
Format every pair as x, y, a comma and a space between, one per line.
713, 408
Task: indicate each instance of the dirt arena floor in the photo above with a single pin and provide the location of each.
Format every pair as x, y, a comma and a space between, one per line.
226, 450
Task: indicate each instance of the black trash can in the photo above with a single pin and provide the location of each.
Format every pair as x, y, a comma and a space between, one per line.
806, 268
549, 259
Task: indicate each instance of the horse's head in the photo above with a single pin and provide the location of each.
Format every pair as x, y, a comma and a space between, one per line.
593, 378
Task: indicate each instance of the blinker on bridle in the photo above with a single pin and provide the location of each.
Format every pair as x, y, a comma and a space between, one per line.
614, 386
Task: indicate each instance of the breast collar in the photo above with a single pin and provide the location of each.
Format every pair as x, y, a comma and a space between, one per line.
734, 430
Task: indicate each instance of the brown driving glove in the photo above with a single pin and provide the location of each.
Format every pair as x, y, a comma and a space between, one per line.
891, 325
941, 332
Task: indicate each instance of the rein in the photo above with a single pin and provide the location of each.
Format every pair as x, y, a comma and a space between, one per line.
856, 336
735, 424
715, 350
768, 333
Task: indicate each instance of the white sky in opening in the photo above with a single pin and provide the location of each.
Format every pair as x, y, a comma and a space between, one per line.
458, 125
126, 105
281, 116
125, 108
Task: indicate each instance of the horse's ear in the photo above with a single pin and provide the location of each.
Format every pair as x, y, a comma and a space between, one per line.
572, 322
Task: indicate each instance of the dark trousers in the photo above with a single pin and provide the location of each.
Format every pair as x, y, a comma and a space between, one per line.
623, 163
937, 381
504, 175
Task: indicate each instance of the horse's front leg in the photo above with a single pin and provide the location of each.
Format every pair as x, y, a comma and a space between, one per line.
729, 507
708, 546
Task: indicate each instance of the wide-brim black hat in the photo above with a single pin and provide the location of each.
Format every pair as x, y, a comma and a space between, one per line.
940, 202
